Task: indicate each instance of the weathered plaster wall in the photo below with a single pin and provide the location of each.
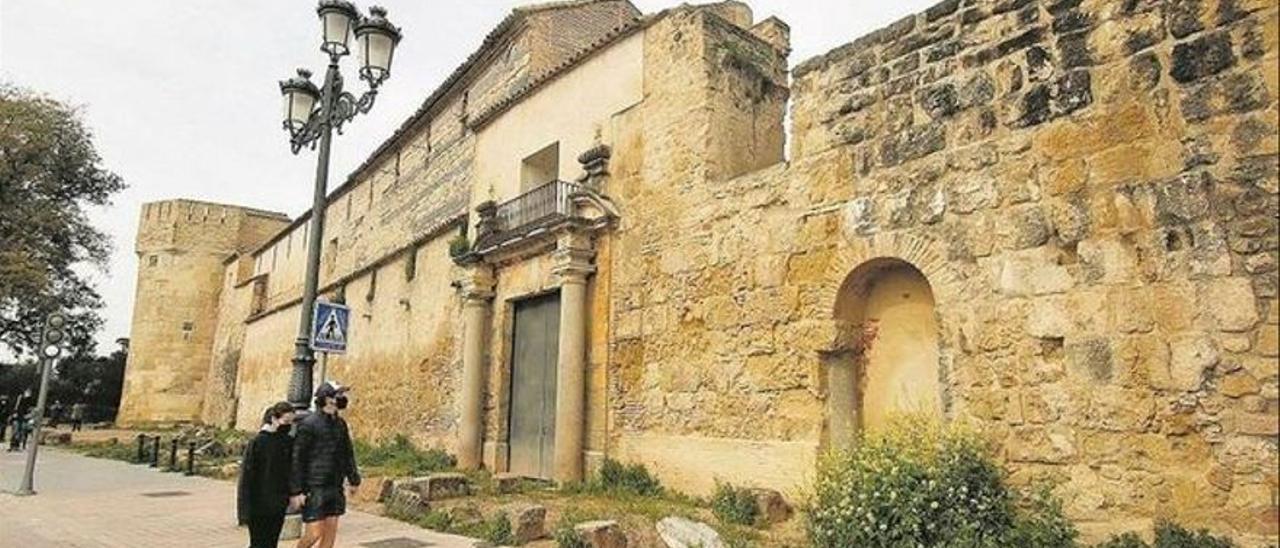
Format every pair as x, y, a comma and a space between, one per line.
402, 360
576, 110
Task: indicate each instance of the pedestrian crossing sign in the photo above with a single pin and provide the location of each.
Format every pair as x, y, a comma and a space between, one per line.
330, 327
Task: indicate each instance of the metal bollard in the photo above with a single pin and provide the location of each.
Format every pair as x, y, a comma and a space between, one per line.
142, 440
155, 452
173, 454
191, 458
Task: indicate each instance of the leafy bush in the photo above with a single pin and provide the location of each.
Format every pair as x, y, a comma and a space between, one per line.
919, 484
1127, 540
734, 505
1170, 535
401, 457
1040, 522
632, 479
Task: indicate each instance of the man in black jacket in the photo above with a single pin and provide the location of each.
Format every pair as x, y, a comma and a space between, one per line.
264, 477
322, 459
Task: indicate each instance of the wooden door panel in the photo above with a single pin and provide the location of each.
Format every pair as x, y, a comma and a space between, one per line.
533, 376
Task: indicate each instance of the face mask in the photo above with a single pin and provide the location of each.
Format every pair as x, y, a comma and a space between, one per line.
342, 402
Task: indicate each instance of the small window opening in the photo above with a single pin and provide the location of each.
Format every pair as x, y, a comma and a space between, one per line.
540, 168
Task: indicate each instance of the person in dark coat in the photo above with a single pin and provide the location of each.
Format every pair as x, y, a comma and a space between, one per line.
77, 416
4, 415
322, 458
263, 496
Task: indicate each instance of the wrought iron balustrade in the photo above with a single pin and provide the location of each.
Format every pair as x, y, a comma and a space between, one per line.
540, 206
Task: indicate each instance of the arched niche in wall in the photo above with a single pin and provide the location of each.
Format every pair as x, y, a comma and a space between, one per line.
888, 361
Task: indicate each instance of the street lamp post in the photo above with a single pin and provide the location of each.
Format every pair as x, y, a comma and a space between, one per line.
311, 115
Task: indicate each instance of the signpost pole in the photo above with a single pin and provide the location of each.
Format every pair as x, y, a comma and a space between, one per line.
28, 476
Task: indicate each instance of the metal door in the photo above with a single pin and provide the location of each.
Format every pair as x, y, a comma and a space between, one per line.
534, 350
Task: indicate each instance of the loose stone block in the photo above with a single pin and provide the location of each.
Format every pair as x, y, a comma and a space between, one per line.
528, 521
601, 534
442, 486
385, 488
679, 532
770, 505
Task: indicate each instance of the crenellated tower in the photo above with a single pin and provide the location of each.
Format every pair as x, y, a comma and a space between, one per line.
182, 248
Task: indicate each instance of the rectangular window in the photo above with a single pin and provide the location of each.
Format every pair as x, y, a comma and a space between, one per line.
540, 168
187, 328
153, 260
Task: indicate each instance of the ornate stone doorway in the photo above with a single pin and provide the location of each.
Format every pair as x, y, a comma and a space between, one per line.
888, 363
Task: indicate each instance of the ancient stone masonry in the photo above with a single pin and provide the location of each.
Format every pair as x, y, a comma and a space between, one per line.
1053, 220
1091, 190
181, 247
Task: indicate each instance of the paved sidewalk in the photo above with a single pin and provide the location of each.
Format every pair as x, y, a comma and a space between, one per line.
83, 501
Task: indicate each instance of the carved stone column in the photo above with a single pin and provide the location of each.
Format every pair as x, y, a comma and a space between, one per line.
572, 257
477, 296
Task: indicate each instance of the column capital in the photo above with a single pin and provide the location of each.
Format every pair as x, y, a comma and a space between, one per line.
476, 282
572, 259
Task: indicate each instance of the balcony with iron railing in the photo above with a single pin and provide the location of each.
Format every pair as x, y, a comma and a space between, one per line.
526, 214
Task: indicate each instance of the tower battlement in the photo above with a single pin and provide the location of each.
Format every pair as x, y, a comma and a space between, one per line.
182, 248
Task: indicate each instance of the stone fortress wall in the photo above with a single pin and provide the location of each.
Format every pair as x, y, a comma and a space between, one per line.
1055, 220
1089, 190
181, 246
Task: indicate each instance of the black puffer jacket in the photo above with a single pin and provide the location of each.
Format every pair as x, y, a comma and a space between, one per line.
322, 454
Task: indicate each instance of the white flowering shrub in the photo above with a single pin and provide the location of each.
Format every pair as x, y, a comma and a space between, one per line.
919, 484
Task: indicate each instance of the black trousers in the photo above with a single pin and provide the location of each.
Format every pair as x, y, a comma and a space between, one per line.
264, 530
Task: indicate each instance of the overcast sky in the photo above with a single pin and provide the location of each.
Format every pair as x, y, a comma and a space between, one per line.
183, 102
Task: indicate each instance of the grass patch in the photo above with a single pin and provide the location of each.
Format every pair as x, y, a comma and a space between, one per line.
399, 457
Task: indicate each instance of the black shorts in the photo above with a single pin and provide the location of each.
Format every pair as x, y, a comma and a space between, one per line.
324, 502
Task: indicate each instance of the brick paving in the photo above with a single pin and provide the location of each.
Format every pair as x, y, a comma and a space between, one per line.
84, 501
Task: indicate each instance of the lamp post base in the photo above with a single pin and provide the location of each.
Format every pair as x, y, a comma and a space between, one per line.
300, 388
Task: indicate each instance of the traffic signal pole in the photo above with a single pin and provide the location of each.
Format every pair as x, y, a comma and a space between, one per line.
34, 444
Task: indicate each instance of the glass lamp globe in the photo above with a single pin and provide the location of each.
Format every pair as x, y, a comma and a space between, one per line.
300, 96
376, 40
336, 19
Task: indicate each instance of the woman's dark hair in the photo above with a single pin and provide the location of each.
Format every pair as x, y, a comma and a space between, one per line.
276, 411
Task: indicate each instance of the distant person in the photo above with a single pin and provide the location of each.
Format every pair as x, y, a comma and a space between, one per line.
77, 416
22, 430
15, 437
322, 459
55, 414
263, 497
5, 411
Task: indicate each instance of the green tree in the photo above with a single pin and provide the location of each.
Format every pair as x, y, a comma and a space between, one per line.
50, 173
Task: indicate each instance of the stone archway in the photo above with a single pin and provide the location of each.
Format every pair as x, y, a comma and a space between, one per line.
891, 352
